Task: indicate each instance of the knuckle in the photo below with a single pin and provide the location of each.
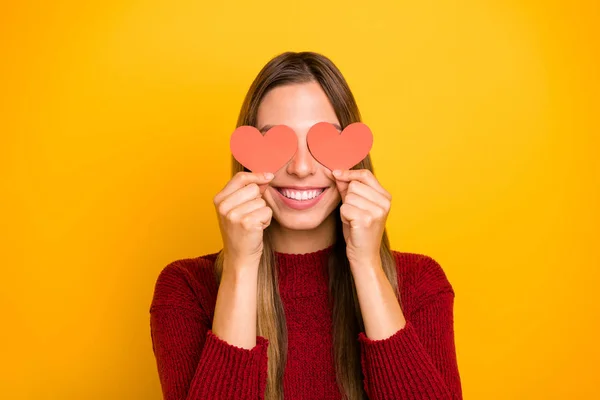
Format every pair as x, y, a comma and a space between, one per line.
233, 216
242, 177
268, 212
247, 222
385, 211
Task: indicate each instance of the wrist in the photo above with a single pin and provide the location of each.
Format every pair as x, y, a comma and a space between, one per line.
366, 264
240, 269
365, 259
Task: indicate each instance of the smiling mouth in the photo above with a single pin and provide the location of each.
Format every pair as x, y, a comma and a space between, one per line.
301, 195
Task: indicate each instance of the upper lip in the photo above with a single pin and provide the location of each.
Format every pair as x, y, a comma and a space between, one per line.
301, 187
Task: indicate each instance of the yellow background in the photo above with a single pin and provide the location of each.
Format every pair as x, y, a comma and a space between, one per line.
115, 120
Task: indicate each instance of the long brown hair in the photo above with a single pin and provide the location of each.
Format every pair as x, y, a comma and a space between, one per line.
303, 67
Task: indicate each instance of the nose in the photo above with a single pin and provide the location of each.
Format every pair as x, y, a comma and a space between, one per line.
303, 163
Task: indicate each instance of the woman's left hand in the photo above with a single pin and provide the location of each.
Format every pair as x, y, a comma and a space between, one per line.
366, 205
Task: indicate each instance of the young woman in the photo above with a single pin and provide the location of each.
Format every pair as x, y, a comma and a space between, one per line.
306, 300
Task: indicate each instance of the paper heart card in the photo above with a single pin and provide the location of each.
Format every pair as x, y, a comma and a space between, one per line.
274, 149
263, 153
337, 150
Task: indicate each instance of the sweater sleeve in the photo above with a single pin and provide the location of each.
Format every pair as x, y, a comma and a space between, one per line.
192, 362
417, 362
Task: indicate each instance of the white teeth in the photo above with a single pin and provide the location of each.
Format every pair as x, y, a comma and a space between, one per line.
301, 195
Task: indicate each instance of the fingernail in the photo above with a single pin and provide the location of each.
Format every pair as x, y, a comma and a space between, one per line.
269, 175
337, 172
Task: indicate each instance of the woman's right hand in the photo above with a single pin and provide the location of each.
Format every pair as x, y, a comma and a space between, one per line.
243, 215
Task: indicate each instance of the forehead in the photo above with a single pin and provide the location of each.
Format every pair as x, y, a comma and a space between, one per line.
299, 106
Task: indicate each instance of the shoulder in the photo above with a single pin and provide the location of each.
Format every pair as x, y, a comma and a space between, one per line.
186, 283
421, 277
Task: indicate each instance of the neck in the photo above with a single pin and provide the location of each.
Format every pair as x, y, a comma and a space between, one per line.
292, 241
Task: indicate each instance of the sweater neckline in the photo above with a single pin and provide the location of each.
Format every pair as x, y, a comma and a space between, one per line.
308, 255
303, 274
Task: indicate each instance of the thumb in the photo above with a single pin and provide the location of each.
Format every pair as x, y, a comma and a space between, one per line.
262, 187
342, 187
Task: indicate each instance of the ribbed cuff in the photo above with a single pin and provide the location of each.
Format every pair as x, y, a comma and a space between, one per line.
232, 372
398, 367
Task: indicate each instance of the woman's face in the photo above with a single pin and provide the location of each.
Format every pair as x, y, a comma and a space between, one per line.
303, 192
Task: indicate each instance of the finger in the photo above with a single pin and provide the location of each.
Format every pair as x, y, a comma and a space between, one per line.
245, 194
342, 187
258, 219
238, 212
262, 187
372, 209
369, 193
240, 180
350, 214
363, 175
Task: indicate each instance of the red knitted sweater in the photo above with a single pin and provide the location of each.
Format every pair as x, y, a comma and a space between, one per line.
417, 362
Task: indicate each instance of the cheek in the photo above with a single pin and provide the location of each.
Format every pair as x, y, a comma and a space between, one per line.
335, 192
334, 196
268, 196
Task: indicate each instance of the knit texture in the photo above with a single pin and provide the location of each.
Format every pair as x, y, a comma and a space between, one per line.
417, 362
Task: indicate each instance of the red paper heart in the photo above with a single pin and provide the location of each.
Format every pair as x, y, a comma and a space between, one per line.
263, 153
337, 150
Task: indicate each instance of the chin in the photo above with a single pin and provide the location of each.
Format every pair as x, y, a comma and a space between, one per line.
300, 221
